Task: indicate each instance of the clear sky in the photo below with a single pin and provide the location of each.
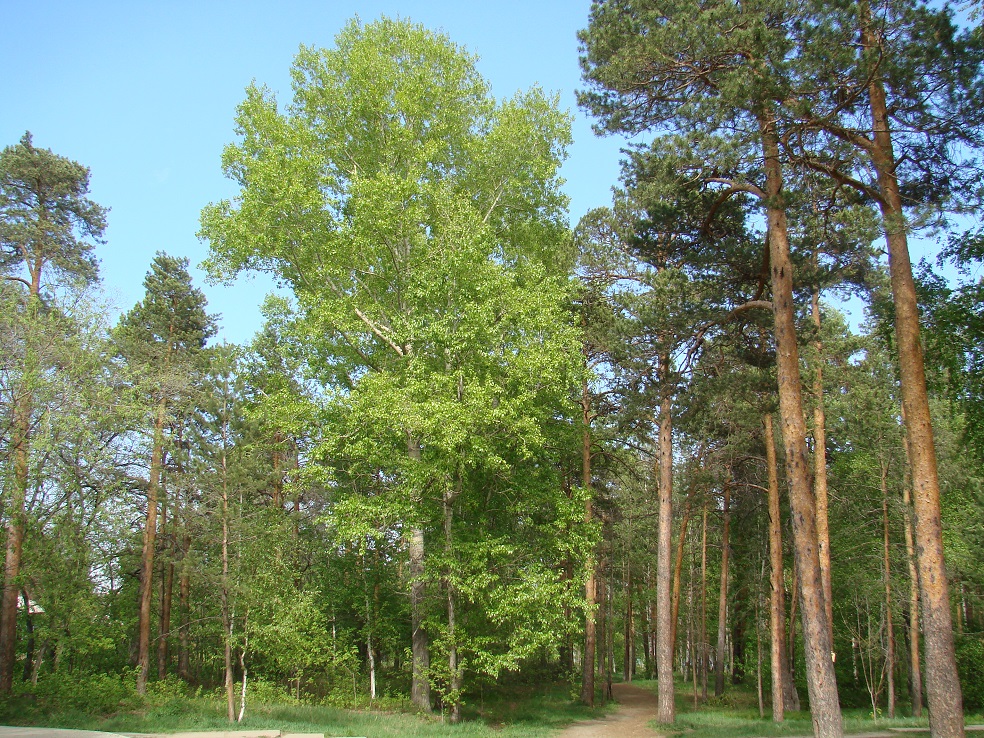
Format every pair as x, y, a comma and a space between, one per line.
144, 94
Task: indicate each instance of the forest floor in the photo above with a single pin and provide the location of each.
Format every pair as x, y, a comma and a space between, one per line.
636, 707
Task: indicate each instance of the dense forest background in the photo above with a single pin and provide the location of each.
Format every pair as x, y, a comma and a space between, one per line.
472, 444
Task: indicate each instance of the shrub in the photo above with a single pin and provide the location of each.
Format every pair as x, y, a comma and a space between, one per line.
91, 694
970, 665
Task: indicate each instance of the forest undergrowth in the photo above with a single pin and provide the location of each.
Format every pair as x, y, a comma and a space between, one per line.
110, 703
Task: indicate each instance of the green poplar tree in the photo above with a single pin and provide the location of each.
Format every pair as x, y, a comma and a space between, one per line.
419, 224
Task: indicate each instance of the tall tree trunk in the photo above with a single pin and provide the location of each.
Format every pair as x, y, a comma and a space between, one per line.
227, 624
721, 654
942, 680
16, 527
644, 607
149, 546
778, 605
610, 640
820, 678
889, 629
628, 657
820, 467
167, 589
704, 665
591, 611
691, 635
420, 648
454, 665
678, 567
758, 647
184, 608
783, 687
29, 623
915, 672
666, 709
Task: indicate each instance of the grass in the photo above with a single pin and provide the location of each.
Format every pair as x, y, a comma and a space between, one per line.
514, 712
736, 715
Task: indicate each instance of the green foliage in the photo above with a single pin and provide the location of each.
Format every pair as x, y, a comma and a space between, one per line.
46, 220
90, 694
970, 663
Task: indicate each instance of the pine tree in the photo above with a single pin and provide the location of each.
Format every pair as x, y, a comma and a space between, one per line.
48, 229
161, 339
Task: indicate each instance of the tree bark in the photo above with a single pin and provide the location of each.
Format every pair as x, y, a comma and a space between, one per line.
821, 681
723, 595
942, 680
591, 609
644, 608
420, 648
915, 672
783, 686
454, 665
184, 607
889, 629
227, 623
820, 469
704, 666
167, 590
628, 656
16, 527
678, 569
149, 546
666, 709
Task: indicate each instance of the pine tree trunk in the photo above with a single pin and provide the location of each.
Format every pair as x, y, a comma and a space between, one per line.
601, 632
420, 649
149, 546
889, 629
610, 640
704, 665
591, 612
822, 684
942, 681
666, 709
758, 646
678, 569
721, 654
184, 607
627, 656
915, 672
820, 468
777, 616
16, 527
167, 589
646, 625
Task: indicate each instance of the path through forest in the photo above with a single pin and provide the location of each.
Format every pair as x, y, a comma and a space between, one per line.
636, 707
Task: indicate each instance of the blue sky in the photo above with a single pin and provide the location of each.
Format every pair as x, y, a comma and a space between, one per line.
144, 94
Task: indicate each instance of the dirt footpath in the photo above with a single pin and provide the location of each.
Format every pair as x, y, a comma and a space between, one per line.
636, 707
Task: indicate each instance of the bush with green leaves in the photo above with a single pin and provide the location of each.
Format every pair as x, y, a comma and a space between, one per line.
970, 665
